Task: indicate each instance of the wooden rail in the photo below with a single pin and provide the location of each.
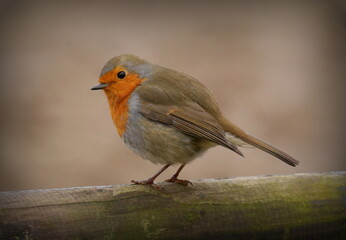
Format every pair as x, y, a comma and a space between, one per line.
300, 206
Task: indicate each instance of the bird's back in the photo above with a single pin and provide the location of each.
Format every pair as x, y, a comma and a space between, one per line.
176, 88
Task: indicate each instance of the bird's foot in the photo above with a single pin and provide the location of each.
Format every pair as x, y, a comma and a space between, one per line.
149, 182
179, 181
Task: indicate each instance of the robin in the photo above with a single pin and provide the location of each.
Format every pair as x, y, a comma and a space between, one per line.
168, 117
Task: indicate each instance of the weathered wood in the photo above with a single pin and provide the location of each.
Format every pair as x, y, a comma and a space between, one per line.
300, 206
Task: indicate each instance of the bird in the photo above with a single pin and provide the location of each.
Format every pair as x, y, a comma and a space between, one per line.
168, 117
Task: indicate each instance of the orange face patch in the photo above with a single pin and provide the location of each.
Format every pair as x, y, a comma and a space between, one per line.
118, 93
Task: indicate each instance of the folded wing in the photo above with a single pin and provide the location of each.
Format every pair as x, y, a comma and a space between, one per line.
190, 119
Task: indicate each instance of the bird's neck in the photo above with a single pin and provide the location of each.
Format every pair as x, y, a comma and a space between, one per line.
119, 111
118, 96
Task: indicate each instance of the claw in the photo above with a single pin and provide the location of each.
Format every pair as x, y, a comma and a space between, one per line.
179, 181
148, 182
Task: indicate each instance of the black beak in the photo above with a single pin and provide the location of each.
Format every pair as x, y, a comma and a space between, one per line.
100, 86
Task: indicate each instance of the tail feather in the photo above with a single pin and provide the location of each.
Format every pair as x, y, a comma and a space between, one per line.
256, 142
271, 150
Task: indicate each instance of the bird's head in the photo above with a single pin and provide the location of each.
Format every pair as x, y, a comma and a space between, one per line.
122, 74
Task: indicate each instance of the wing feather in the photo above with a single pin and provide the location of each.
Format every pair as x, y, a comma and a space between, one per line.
190, 119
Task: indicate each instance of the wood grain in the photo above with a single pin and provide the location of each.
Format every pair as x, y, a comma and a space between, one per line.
300, 206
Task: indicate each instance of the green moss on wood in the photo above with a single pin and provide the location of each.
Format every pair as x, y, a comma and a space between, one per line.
277, 207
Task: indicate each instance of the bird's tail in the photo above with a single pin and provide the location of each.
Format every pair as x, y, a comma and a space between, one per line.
256, 142
270, 149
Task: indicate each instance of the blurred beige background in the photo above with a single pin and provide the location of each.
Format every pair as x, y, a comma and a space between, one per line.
277, 69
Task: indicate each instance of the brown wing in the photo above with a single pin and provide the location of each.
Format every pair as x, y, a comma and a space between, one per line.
191, 120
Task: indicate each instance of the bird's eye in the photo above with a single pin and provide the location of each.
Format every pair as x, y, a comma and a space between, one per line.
121, 75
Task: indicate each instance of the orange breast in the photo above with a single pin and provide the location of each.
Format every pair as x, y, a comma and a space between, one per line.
118, 95
119, 113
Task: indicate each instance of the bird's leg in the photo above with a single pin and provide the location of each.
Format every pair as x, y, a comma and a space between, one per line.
150, 181
175, 179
